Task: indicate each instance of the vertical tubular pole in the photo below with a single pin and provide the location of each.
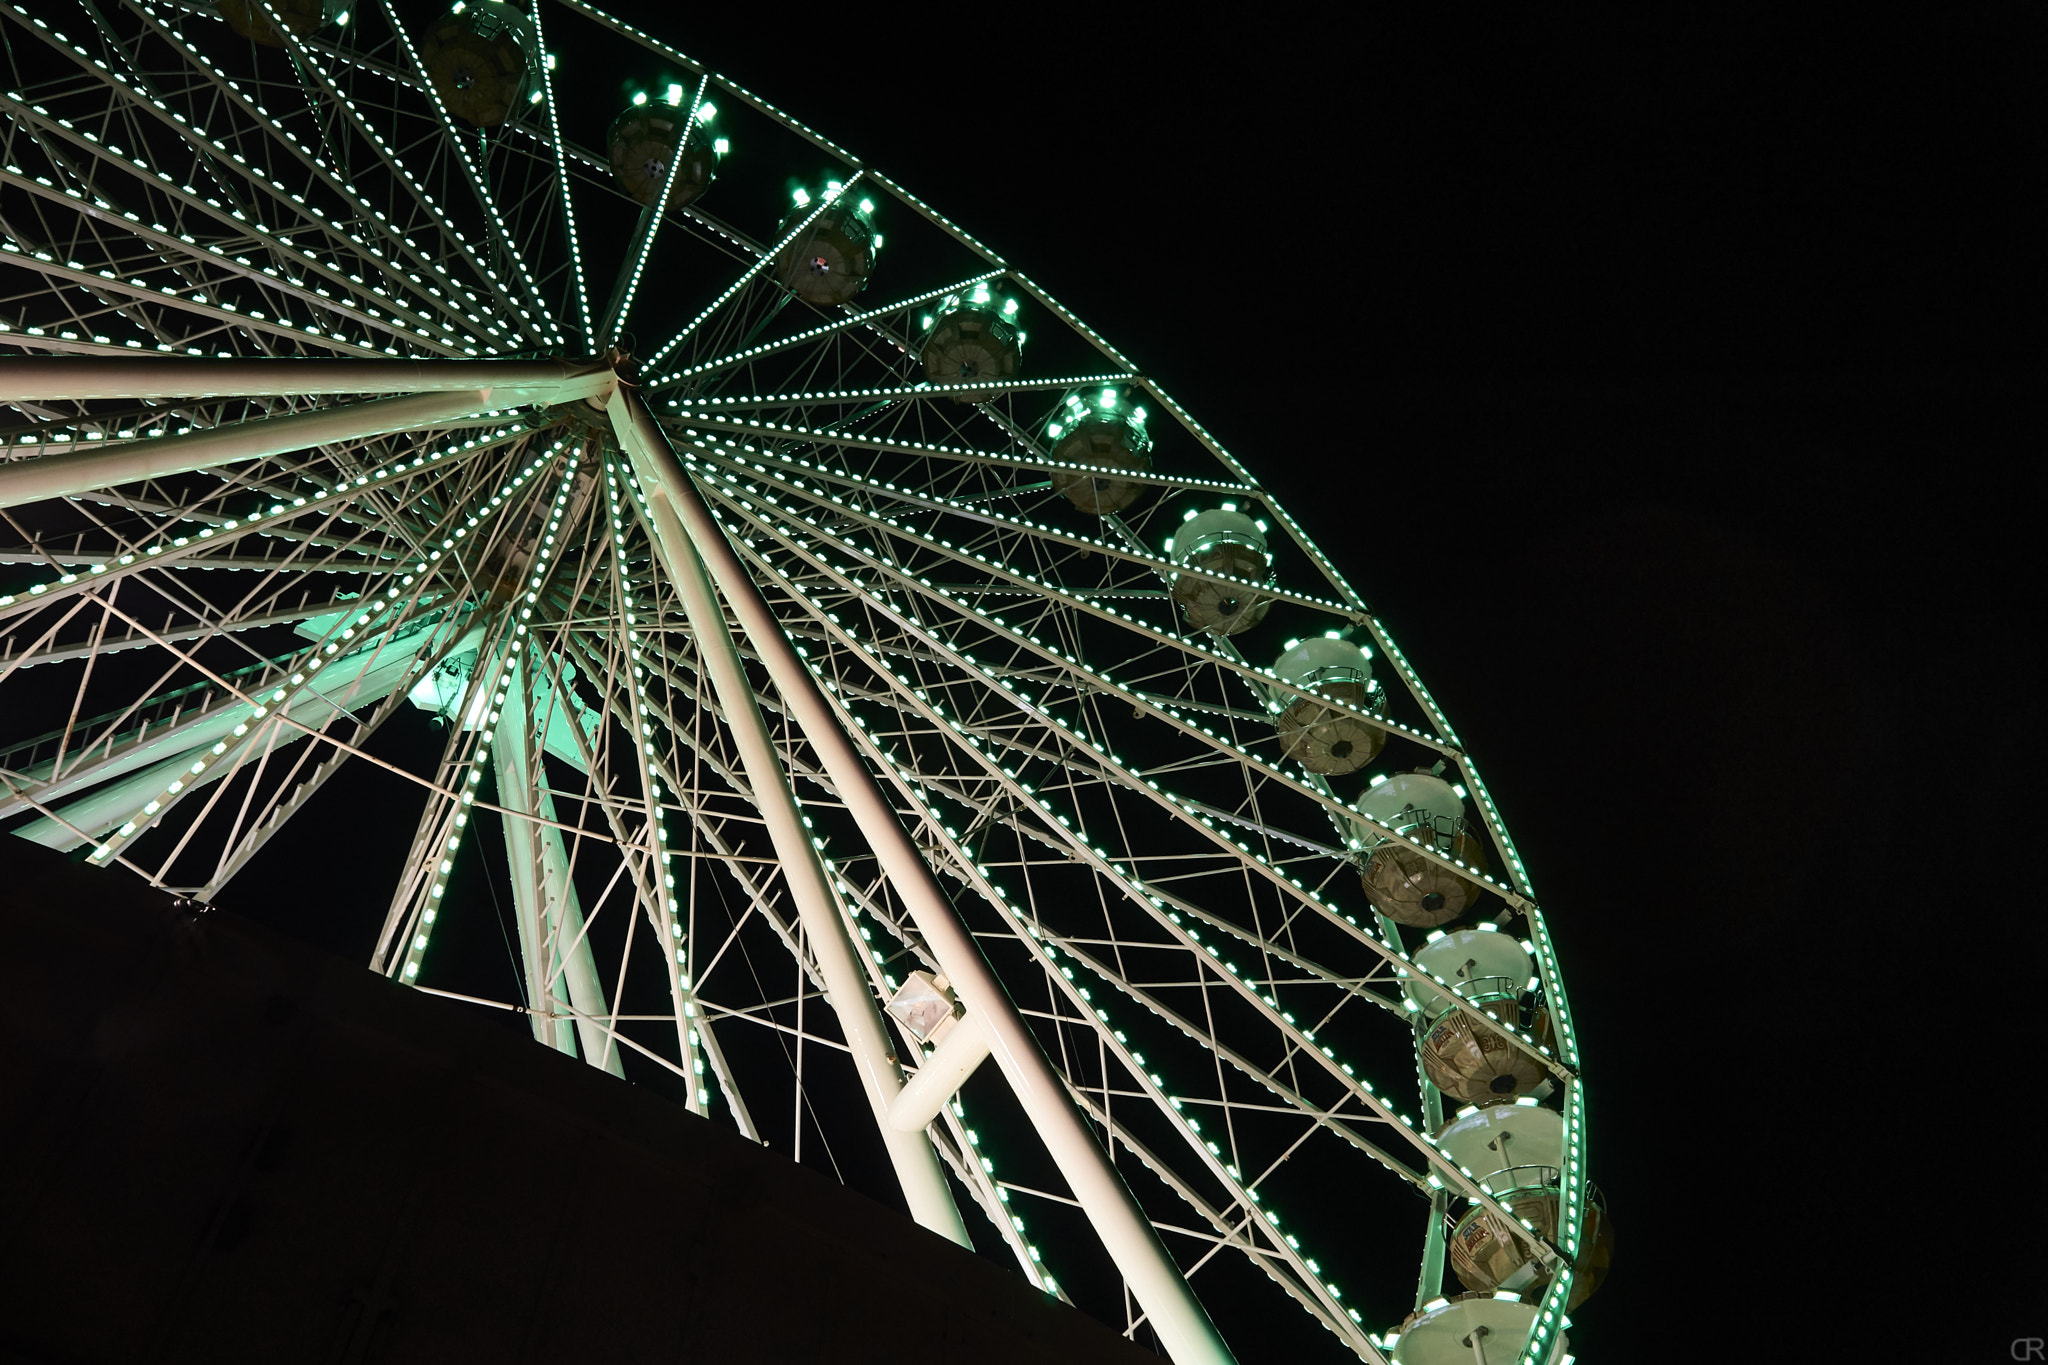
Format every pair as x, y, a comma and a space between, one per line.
540, 869
917, 1165
1127, 1234
510, 777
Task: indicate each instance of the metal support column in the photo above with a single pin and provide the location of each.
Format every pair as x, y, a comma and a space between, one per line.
62, 476
860, 1018
507, 383
434, 396
545, 902
1127, 1234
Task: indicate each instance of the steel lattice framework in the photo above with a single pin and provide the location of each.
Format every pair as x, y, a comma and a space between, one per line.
782, 665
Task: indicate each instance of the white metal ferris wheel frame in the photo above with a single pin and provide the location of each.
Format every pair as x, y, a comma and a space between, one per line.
694, 506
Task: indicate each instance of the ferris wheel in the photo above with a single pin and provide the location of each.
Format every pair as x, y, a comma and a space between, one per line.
900, 725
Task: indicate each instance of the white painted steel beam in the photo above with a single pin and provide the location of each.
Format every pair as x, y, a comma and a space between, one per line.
544, 898
49, 379
1127, 1234
62, 476
860, 1018
944, 1072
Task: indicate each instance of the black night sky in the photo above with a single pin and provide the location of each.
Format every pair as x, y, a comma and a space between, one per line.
1667, 385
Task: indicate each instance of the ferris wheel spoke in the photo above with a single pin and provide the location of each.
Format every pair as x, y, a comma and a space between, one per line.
359, 535
423, 219
1082, 1007
756, 890
287, 800
736, 319
563, 180
666, 919
803, 224
816, 502
913, 405
896, 313
1269, 1251
520, 171
276, 735
320, 684
1346, 988
956, 604
651, 217
1234, 857
702, 429
216, 323
544, 329
444, 817
1018, 642
695, 68
202, 269
138, 102
885, 393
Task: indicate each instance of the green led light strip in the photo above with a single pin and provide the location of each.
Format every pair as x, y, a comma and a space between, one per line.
172, 549
641, 726
486, 680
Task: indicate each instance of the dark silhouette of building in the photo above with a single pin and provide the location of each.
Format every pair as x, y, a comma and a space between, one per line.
221, 1145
